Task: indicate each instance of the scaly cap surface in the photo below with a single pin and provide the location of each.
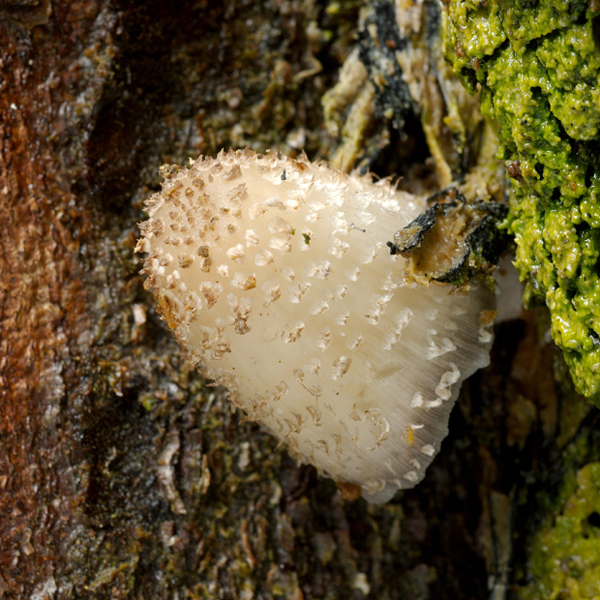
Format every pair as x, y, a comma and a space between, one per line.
275, 274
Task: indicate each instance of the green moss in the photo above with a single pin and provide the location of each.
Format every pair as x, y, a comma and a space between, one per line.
538, 65
565, 555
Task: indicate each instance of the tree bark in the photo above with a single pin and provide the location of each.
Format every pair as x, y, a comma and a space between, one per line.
122, 472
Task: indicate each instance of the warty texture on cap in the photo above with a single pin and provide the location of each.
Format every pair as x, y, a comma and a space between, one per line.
274, 273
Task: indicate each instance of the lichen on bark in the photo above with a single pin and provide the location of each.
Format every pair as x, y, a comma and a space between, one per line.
537, 67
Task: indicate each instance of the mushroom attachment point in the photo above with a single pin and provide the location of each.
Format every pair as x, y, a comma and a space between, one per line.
274, 273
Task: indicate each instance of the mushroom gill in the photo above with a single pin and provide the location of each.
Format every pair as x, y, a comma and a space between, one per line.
275, 275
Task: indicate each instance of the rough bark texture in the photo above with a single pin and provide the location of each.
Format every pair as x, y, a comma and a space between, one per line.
122, 474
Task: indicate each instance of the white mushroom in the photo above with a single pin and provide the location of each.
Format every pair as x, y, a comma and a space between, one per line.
275, 275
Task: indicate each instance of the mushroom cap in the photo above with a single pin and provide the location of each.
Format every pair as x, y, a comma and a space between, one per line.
275, 275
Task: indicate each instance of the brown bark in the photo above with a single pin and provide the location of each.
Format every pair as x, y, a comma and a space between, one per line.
43, 315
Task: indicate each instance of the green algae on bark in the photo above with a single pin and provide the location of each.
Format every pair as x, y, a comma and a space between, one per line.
565, 555
537, 66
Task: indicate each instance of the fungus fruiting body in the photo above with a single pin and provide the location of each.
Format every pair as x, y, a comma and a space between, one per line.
274, 273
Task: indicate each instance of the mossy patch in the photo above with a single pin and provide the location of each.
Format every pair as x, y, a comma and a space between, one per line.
537, 65
565, 555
